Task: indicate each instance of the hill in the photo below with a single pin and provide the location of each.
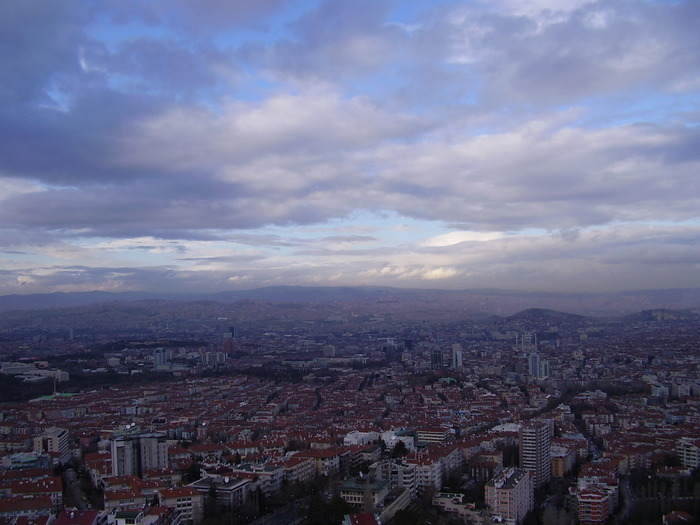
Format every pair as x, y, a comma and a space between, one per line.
472, 303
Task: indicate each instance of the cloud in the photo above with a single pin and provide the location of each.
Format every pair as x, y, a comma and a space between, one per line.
171, 67
568, 177
630, 256
334, 41
457, 237
193, 20
496, 143
39, 40
554, 53
569, 234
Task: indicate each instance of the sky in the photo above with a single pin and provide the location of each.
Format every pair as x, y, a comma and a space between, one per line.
182, 146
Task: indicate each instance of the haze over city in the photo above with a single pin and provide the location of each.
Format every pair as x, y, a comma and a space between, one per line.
199, 146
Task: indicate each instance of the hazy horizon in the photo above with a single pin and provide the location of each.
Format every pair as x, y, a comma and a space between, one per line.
485, 290
527, 145
377, 299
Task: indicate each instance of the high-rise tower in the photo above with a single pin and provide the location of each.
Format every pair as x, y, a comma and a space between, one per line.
535, 451
160, 357
457, 356
538, 368
436, 358
533, 361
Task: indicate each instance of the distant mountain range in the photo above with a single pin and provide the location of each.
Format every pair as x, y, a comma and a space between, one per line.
487, 301
274, 294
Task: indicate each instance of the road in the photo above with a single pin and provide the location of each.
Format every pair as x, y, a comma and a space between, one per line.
74, 495
627, 500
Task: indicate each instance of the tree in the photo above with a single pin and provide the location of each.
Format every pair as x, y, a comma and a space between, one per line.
193, 473
327, 513
338, 508
211, 505
399, 450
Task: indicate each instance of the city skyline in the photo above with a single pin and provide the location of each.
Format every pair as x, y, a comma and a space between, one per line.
526, 145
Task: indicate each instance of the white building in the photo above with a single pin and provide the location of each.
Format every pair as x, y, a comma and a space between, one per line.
689, 452
134, 452
360, 438
399, 473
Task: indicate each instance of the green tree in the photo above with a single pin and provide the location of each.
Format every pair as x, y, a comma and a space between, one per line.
211, 505
193, 473
399, 450
327, 513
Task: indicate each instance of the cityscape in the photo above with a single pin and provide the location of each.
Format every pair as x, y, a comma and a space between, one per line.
331, 262
377, 406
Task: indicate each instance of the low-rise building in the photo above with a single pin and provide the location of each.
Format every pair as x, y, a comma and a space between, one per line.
51, 487
296, 469
230, 491
327, 461
400, 473
188, 502
268, 477
27, 506
689, 452
563, 460
454, 505
363, 492
123, 499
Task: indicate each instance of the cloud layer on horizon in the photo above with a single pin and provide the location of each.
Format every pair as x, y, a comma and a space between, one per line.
539, 145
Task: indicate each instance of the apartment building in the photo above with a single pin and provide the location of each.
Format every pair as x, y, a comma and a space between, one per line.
535, 450
134, 452
187, 501
511, 494
689, 452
